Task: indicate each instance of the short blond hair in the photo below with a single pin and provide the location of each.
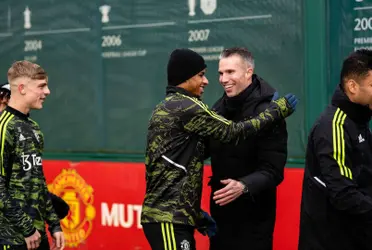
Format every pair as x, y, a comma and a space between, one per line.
26, 69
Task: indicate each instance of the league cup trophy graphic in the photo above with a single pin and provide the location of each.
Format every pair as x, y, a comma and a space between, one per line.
27, 18
105, 9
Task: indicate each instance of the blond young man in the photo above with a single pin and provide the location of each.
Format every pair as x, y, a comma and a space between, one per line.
24, 202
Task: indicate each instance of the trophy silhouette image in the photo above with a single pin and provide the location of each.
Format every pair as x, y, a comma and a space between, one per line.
27, 18
105, 9
192, 4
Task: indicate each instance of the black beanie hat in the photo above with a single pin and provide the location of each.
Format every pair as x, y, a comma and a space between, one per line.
184, 64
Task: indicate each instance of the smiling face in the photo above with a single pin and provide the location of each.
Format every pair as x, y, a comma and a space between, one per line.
196, 84
29, 86
35, 93
235, 74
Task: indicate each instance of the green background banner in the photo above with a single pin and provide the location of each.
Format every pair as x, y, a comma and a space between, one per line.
107, 60
350, 26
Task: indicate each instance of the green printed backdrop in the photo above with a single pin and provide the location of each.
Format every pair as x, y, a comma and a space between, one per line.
107, 60
350, 28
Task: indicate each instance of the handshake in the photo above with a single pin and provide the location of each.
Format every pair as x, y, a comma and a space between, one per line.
207, 225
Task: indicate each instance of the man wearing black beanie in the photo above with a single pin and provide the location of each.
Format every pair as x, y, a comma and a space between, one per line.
175, 152
184, 64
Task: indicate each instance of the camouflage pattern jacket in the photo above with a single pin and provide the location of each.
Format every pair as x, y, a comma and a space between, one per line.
24, 201
175, 153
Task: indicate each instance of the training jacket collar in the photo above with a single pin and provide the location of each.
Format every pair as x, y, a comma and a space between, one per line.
175, 89
358, 113
17, 113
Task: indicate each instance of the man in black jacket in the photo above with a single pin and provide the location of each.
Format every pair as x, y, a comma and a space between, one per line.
336, 207
245, 174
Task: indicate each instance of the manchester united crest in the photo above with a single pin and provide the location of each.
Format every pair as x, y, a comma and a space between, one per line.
77, 225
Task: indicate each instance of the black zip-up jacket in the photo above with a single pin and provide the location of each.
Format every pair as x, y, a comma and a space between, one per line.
336, 206
175, 153
258, 162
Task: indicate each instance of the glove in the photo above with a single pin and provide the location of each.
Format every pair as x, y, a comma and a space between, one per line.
292, 101
207, 225
275, 96
285, 105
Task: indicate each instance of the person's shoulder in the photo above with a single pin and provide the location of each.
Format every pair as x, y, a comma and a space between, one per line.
8, 127
33, 123
178, 104
262, 95
327, 121
8, 120
332, 115
189, 103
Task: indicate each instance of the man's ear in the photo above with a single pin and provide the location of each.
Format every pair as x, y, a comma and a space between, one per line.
351, 86
249, 72
21, 89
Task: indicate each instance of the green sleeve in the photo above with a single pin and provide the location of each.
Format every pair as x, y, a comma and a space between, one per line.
201, 120
51, 216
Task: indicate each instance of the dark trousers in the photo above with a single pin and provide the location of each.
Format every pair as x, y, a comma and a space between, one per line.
169, 236
240, 237
44, 245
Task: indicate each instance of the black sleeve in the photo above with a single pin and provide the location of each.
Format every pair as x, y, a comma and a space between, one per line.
59, 205
52, 217
272, 157
207, 151
332, 147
